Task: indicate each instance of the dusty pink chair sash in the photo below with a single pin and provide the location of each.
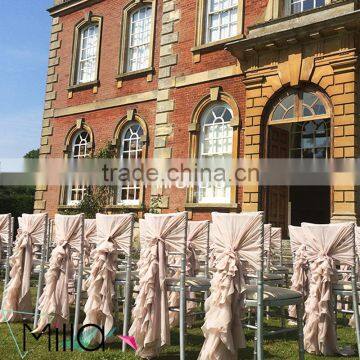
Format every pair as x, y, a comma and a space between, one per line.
325, 245
54, 301
150, 315
113, 236
89, 238
5, 225
197, 240
236, 239
299, 279
17, 296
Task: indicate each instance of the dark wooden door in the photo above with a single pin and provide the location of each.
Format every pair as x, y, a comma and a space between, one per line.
278, 196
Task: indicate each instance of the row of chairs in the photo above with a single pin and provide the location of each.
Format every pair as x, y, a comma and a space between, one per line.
236, 258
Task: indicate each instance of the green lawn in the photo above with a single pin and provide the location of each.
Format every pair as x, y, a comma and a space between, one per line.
281, 347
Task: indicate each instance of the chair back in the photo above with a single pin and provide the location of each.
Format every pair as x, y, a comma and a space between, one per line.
327, 247
89, 239
240, 236
276, 246
198, 248
237, 244
5, 244
5, 236
65, 265
160, 235
267, 246
27, 253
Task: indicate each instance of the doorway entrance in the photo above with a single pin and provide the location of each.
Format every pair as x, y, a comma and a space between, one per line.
299, 127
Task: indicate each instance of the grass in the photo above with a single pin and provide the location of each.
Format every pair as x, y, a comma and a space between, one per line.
283, 347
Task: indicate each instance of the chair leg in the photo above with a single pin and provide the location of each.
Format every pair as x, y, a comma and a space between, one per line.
282, 314
255, 346
300, 321
357, 319
127, 312
182, 322
335, 311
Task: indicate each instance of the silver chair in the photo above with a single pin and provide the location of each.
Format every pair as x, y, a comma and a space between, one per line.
197, 275
261, 296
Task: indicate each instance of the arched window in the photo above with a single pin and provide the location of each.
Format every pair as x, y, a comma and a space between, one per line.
299, 105
216, 143
138, 57
79, 150
131, 147
87, 53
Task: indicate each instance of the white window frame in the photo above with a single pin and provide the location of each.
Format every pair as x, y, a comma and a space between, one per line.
146, 27
209, 14
83, 145
226, 199
92, 59
137, 137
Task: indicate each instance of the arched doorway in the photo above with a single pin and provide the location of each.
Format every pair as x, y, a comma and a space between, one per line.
299, 126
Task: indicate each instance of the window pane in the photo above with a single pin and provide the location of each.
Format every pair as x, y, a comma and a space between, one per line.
139, 39
278, 113
216, 139
221, 19
87, 57
131, 148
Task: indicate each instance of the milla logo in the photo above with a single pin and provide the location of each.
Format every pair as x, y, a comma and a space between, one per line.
61, 341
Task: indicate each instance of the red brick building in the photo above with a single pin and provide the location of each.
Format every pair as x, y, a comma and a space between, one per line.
179, 79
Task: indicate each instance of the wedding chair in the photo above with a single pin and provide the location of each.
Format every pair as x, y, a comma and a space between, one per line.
197, 272
270, 277
277, 256
160, 234
238, 242
5, 245
327, 248
69, 239
114, 235
31, 236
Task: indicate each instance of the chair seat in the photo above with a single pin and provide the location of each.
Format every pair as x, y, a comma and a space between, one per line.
343, 285
189, 281
271, 293
279, 268
121, 276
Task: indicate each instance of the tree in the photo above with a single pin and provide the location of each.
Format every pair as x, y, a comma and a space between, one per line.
18, 199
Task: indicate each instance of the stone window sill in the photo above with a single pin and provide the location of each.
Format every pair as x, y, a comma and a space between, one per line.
84, 86
230, 206
208, 47
137, 73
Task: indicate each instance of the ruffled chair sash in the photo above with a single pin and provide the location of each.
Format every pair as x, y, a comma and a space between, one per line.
54, 301
325, 244
236, 239
150, 315
17, 298
114, 234
4, 230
